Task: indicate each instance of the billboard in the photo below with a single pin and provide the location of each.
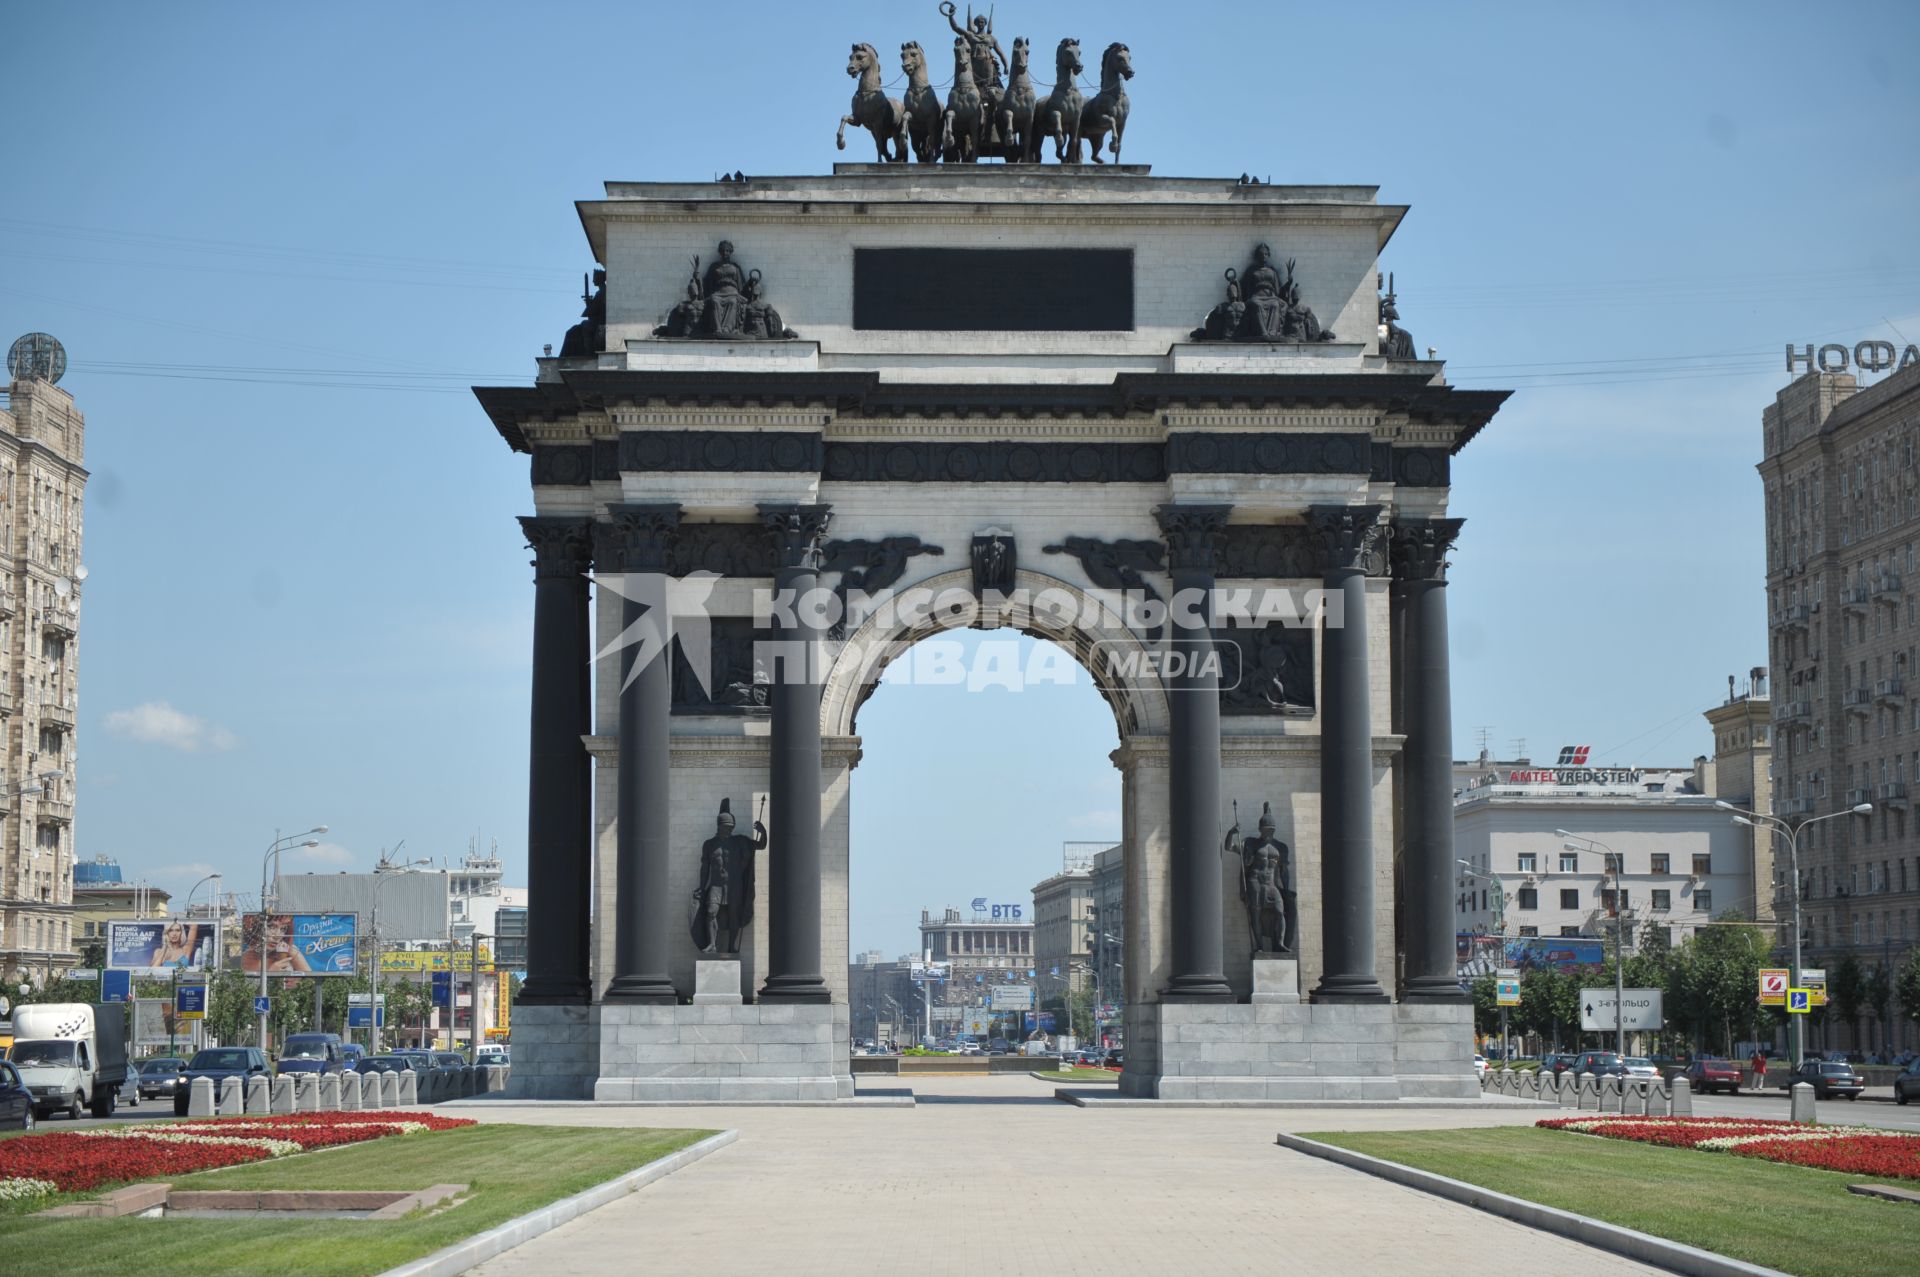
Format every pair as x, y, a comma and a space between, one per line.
156, 1027
414, 961
1558, 952
161, 945
413, 906
299, 944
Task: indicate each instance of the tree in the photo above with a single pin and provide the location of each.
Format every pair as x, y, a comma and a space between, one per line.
1878, 994
1486, 1008
1906, 983
1847, 988
1549, 1003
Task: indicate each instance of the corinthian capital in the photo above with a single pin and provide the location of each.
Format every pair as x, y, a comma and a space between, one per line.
794, 532
648, 533
1421, 546
1192, 534
562, 546
1349, 536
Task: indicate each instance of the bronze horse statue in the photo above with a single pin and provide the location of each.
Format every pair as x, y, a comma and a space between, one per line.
873, 110
1108, 110
1060, 117
925, 119
1018, 140
965, 123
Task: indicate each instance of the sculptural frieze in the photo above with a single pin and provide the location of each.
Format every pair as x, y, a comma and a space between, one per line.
1266, 885
868, 567
1262, 304
726, 303
723, 902
1270, 672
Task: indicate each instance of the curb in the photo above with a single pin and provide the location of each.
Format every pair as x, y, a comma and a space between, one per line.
480, 1247
1102, 1099
1630, 1243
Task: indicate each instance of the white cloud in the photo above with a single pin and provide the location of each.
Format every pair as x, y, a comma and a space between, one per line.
158, 723
327, 853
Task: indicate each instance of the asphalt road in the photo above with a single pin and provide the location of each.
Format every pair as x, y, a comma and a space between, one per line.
1875, 1108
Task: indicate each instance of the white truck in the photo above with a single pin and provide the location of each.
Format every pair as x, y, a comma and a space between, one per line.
71, 1055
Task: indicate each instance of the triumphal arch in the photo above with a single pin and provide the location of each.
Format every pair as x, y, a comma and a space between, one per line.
1171, 424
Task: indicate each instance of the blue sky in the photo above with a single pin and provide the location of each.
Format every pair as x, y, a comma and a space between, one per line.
280, 242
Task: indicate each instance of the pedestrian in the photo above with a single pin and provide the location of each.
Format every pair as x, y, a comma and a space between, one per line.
1759, 1069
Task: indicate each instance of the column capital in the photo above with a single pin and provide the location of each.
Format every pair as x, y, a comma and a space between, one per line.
1349, 535
795, 531
1420, 548
1192, 533
562, 545
647, 533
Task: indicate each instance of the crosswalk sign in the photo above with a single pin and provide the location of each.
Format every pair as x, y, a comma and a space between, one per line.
1799, 1001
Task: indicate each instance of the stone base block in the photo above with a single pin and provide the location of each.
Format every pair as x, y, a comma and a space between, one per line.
716, 983
1288, 1050
556, 1052
722, 1051
1276, 980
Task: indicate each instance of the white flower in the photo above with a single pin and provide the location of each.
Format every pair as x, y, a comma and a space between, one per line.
22, 1186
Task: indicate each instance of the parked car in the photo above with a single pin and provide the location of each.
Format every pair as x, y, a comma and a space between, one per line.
497, 1056
1112, 1059
218, 1063
385, 1064
1640, 1066
1479, 1066
999, 1046
1554, 1063
1828, 1078
16, 1100
159, 1077
311, 1053
1707, 1075
351, 1053
1907, 1085
418, 1060
1599, 1063
449, 1060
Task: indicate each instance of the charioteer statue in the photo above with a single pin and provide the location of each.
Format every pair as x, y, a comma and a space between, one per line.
723, 903
1266, 886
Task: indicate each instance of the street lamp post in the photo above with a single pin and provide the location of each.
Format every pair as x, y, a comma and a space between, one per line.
279, 845
386, 871
1755, 819
1619, 932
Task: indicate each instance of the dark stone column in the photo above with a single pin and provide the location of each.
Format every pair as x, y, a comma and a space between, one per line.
1350, 538
1193, 758
1420, 565
559, 788
793, 876
644, 535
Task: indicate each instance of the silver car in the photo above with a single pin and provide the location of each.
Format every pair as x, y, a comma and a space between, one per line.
1641, 1066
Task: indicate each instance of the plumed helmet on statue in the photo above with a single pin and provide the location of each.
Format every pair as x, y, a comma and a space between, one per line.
726, 813
1266, 818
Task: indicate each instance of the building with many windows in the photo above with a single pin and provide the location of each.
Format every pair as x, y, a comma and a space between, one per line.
42, 481
979, 954
1841, 480
1062, 931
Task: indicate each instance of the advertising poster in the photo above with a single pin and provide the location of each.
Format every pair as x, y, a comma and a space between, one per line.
155, 1027
162, 945
298, 943
1558, 952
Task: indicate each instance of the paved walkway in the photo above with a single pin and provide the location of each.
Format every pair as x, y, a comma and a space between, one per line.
993, 1175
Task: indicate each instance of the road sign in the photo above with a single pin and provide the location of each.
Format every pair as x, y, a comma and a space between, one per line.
116, 986
1640, 1012
1773, 986
1507, 993
84, 973
443, 988
1798, 1001
261, 1005
1012, 997
361, 1017
1814, 981
190, 1002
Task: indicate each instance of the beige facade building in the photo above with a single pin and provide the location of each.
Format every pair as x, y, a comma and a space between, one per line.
1842, 485
1741, 773
1062, 931
42, 444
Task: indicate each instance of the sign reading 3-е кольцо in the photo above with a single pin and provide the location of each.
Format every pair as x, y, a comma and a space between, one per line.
1642, 1010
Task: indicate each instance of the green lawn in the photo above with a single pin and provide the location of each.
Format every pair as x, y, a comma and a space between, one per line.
1786, 1217
1079, 1075
512, 1170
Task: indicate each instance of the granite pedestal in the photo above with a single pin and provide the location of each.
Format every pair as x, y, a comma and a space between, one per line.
1290, 1050
720, 1051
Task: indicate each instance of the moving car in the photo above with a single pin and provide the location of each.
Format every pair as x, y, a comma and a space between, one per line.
1640, 1066
1907, 1084
1827, 1077
449, 1060
311, 1053
1479, 1066
218, 1063
999, 1046
1599, 1063
1707, 1075
16, 1101
351, 1053
1557, 1062
496, 1056
159, 1077
386, 1064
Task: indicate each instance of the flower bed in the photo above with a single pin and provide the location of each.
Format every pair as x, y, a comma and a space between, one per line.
74, 1161
1853, 1150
